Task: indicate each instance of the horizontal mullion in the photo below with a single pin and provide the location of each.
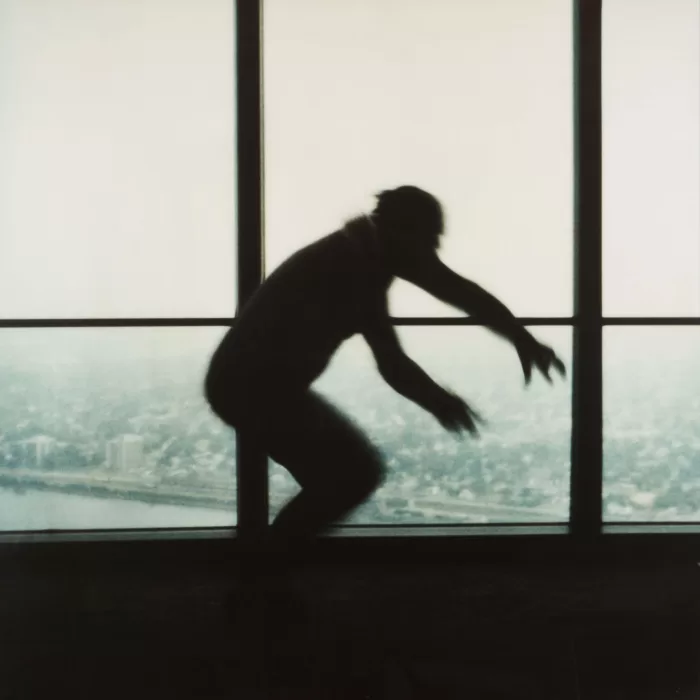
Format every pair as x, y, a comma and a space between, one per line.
184, 322
140, 322
555, 321
111, 322
397, 321
470, 321
651, 321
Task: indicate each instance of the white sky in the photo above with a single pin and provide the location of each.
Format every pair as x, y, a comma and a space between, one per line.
117, 193
651, 166
117, 169
471, 100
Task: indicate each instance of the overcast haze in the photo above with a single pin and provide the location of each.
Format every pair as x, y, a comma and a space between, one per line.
651, 164
470, 100
117, 168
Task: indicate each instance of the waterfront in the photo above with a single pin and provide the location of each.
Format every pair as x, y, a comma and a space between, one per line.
48, 510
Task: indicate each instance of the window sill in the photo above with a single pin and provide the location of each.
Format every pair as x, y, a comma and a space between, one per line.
215, 550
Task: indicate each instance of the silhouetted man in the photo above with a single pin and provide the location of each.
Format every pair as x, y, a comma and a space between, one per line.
260, 376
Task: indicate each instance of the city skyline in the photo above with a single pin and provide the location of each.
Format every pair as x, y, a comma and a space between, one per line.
520, 462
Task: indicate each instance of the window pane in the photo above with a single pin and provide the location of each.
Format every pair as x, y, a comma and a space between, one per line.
518, 471
117, 165
652, 424
108, 428
651, 157
470, 100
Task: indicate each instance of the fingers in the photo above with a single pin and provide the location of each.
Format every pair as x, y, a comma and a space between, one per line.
471, 427
457, 416
558, 365
548, 360
454, 427
553, 359
477, 417
561, 367
458, 425
471, 420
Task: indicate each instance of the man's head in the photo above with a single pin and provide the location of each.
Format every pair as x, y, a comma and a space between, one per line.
411, 214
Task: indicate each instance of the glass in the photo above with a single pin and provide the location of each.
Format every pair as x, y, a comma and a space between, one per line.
651, 424
117, 173
108, 428
517, 471
470, 100
651, 158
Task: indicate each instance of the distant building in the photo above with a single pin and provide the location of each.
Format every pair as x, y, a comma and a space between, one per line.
113, 453
35, 450
125, 453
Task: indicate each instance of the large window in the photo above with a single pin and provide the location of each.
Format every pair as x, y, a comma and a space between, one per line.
470, 100
160, 157
652, 424
651, 158
518, 471
651, 259
473, 101
116, 206
107, 427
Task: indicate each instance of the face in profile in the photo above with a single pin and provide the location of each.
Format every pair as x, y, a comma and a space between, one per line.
413, 216
434, 237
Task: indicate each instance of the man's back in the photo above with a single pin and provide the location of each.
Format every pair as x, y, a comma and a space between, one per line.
307, 307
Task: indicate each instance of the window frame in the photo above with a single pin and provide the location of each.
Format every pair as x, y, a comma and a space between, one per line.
584, 534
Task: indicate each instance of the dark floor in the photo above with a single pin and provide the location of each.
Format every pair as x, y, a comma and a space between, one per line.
405, 634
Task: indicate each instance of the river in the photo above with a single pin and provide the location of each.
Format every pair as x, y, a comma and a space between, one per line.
46, 510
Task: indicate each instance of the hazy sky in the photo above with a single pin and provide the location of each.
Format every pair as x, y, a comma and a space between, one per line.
651, 147
117, 164
116, 158
471, 100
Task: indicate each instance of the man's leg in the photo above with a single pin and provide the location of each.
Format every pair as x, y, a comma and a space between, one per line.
332, 460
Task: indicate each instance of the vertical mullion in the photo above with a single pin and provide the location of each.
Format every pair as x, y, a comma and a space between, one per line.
587, 409
252, 491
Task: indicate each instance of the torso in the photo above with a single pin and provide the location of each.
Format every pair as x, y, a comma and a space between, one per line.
294, 323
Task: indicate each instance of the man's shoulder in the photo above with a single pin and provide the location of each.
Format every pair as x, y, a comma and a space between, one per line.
341, 250
351, 235
329, 241
339, 246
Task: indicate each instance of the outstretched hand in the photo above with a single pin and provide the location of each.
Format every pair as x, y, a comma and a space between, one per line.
542, 357
455, 415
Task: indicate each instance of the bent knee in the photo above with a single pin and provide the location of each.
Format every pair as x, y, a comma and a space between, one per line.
362, 478
376, 476
234, 401
218, 399
225, 403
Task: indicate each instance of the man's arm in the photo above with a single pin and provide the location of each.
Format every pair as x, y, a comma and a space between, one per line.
432, 275
397, 369
405, 376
